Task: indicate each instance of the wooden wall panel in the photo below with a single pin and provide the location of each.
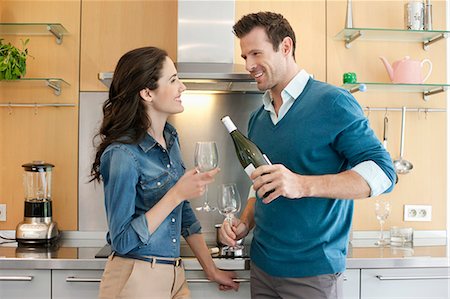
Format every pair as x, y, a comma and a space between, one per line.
49, 134
111, 28
307, 18
425, 138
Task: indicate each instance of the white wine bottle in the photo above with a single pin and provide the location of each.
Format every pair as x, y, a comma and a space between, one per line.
247, 152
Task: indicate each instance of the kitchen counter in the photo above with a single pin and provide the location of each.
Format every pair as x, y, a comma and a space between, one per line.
80, 254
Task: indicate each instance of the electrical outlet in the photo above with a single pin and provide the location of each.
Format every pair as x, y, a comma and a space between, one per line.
2, 212
417, 213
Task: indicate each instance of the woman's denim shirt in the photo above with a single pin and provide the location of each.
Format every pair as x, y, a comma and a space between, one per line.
136, 177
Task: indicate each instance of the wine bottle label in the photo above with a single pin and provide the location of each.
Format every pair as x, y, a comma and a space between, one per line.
249, 169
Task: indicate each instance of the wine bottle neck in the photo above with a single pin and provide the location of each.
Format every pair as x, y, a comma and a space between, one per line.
228, 123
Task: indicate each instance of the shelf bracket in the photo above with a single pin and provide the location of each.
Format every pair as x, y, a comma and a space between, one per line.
429, 93
426, 44
351, 38
55, 85
54, 31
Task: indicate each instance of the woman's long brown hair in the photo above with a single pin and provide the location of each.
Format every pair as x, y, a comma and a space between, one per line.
125, 116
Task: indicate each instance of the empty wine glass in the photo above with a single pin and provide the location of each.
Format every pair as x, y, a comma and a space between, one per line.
229, 202
382, 210
206, 158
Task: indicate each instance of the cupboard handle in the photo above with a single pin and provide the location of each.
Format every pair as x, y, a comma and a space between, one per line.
205, 280
16, 278
381, 277
81, 279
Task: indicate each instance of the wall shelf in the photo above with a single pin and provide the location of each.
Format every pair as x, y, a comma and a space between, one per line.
53, 83
55, 29
350, 35
426, 89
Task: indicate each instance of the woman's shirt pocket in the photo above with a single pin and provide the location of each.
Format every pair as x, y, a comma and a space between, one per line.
153, 187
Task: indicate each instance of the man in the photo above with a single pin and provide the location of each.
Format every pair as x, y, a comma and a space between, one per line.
324, 154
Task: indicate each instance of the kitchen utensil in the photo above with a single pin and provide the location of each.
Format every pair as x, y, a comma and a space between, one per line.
349, 15
428, 23
206, 158
229, 203
407, 70
37, 226
382, 211
401, 165
401, 236
414, 15
385, 132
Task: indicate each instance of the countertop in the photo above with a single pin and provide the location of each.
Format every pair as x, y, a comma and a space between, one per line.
80, 254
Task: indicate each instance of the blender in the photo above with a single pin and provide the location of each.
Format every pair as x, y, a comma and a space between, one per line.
37, 227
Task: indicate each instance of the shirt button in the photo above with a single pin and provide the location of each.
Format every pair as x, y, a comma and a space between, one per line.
158, 184
173, 219
168, 165
174, 240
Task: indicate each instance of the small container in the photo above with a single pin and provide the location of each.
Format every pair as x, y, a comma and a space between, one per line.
414, 15
401, 236
349, 78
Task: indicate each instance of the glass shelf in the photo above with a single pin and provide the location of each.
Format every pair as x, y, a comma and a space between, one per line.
402, 35
426, 89
55, 29
53, 83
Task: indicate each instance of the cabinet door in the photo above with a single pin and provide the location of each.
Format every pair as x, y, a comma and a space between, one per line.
75, 284
25, 284
430, 283
351, 284
202, 288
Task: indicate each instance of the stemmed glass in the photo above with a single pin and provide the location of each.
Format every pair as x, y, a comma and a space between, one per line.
382, 210
206, 158
229, 202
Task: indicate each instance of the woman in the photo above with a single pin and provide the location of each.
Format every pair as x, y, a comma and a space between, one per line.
145, 183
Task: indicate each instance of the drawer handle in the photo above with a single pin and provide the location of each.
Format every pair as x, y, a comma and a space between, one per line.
381, 277
81, 279
205, 280
16, 278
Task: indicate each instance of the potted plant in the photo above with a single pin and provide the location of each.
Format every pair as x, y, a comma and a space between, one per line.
13, 60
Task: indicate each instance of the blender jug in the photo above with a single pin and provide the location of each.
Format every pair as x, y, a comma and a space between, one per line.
37, 226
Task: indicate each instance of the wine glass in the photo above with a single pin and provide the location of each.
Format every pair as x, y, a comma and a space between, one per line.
382, 210
206, 158
229, 202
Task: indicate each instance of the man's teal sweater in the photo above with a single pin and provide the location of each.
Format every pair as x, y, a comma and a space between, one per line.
324, 132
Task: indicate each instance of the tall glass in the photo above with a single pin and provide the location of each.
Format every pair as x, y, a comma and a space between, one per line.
206, 158
382, 210
229, 203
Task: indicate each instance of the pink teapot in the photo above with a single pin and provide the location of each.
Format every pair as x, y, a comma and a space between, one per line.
407, 70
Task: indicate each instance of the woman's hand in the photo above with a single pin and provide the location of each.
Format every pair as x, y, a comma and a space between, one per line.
225, 280
192, 183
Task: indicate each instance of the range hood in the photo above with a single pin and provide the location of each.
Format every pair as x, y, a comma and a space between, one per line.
206, 49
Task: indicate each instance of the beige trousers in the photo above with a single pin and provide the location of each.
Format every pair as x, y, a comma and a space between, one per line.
126, 278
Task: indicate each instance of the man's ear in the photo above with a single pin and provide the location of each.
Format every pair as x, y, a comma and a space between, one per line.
146, 94
286, 45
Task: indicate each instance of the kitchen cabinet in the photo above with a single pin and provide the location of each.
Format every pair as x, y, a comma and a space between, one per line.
75, 284
202, 288
351, 283
25, 284
408, 283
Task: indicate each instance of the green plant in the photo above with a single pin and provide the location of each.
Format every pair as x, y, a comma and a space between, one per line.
13, 60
